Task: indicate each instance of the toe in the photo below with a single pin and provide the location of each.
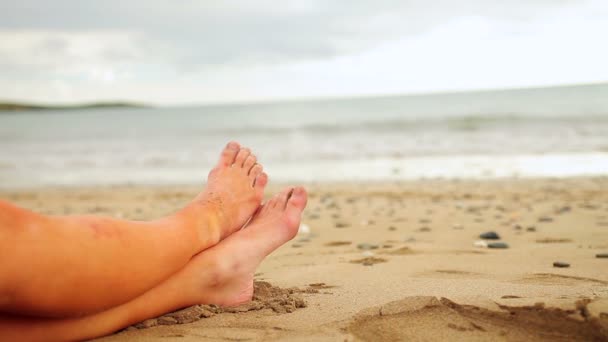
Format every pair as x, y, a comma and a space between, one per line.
284, 196
274, 201
260, 182
255, 172
249, 163
242, 156
229, 154
294, 208
298, 199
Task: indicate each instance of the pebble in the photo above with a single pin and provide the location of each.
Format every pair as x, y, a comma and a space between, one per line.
367, 254
561, 264
392, 228
602, 255
424, 229
531, 229
341, 225
480, 244
497, 245
296, 245
545, 219
367, 246
304, 229
489, 236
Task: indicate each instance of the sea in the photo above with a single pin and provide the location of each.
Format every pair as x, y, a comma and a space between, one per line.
523, 133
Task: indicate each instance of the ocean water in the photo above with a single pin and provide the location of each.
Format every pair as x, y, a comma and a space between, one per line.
554, 132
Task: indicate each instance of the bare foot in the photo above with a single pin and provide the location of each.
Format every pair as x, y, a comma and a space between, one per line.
223, 275
234, 192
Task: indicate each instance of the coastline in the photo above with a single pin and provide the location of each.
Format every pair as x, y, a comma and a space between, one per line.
395, 260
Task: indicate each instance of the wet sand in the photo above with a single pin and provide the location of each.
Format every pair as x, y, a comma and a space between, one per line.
397, 261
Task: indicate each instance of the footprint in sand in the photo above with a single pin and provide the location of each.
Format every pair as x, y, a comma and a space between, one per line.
432, 319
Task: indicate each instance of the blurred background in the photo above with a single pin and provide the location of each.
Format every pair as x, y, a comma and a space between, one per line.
148, 92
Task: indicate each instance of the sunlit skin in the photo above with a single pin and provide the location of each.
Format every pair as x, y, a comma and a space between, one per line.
67, 266
221, 275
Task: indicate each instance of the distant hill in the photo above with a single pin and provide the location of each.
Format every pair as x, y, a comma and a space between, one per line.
16, 107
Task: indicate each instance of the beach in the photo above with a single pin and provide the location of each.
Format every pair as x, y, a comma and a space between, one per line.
402, 260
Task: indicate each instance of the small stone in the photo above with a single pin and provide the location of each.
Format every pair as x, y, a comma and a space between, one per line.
531, 229
498, 245
304, 229
392, 228
517, 227
341, 225
545, 219
561, 264
489, 236
296, 245
602, 255
367, 246
424, 229
368, 254
480, 244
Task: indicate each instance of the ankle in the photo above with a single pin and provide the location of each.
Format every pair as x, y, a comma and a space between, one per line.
203, 222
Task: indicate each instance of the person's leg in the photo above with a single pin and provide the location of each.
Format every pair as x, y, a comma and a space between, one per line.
72, 265
221, 275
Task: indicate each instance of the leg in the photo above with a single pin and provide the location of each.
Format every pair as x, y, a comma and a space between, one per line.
72, 265
221, 275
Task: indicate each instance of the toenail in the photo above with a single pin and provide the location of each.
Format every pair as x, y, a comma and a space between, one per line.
233, 145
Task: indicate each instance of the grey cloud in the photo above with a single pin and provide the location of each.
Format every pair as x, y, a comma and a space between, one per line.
194, 34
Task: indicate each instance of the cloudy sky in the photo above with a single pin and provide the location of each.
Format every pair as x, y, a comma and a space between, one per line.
188, 52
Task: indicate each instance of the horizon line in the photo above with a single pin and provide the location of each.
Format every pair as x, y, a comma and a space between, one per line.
301, 99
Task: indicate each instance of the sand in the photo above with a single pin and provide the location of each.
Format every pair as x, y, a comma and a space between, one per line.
396, 261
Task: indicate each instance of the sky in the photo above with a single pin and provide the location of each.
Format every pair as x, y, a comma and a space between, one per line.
197, 52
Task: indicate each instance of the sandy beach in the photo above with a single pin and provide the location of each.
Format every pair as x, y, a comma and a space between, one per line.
400, 261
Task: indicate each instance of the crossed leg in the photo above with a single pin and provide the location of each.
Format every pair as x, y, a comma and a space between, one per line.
221, 275
67, 266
